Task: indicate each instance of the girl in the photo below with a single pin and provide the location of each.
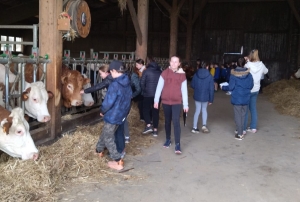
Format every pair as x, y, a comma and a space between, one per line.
140, 66
240, 83
257, 69
203, 85
172, 86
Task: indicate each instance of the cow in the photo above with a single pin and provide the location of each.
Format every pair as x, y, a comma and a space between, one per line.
34, 95
15, 139
87, 98
72, 83
296, 75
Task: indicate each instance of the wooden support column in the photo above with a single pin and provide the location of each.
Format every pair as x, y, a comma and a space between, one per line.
135, 21
142, 14
50, 42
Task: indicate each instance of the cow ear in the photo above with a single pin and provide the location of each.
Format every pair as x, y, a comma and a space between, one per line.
6, 126
50, 94
63, 79
86, 81
24, 96
26, 117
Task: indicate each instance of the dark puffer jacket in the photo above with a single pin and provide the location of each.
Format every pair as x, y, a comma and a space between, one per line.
240, 83
116, 104
99, 86
203, 85
150, 79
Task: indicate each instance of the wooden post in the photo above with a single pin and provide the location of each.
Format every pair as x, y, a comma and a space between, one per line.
143, 10
50, 42
135, 21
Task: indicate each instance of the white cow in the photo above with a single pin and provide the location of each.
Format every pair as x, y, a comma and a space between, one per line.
296, 75
87, 98
15, 139
35, 96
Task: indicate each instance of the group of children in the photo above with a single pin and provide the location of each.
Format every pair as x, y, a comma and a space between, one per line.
169, 89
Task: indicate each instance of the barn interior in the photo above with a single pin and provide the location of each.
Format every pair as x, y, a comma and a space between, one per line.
211, 30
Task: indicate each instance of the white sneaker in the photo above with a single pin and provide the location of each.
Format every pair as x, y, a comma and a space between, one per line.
204, 129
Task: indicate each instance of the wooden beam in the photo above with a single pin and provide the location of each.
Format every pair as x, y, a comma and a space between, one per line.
166, 5
202, 5
135, 21
21, 12
294, 10
50, 42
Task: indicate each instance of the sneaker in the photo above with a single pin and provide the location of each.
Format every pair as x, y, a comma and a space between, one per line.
154, 133
123, 154
148, 130
236, 132
127, 140
251, 130
167, 143
142, 120
239, 137
195, 130
177, 148
228, 93
204, 129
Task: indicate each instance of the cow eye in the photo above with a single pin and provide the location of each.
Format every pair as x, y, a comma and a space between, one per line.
70, 87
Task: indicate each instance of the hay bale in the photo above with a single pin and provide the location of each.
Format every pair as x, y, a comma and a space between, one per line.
69, 160
285, 94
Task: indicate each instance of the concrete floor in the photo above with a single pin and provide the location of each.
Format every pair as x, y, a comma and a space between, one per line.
214, 167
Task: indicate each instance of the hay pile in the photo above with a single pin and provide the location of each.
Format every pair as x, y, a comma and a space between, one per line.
70, 160
285, 94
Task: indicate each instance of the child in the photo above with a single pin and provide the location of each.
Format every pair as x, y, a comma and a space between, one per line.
107, 79
172, 86
240, 83
115, 108
140, 66
203, 85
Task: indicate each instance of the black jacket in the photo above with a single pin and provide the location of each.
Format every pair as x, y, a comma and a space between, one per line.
150, 79
99, 86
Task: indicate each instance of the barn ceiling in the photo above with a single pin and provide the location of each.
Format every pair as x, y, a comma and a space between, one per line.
26, 12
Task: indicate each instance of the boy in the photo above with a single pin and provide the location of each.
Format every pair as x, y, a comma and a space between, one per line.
115, 108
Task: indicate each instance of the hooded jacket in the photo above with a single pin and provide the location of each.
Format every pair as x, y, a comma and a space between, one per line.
257, 69
203, 85
116, 104
240, 83
150, 79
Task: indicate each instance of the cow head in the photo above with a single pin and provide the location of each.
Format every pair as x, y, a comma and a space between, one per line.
17, 141
36, 97
87, 97
72, 83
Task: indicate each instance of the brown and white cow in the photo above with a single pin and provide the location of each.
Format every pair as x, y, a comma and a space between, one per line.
15, 139
35, 95
87, 98
72, 83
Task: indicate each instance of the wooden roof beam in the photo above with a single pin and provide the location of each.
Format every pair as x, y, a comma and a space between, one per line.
294, 10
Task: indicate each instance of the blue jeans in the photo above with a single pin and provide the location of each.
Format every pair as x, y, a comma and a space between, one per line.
120, 138
253, 112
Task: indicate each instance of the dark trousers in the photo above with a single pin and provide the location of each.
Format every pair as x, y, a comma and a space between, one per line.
140, 106
120, 138
239, 117
172, 113
150, 113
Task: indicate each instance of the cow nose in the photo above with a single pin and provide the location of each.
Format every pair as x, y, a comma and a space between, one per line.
78, 103
35, 156
89, 104
46, 118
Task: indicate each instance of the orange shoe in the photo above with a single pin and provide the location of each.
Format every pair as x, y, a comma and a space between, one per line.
118, 165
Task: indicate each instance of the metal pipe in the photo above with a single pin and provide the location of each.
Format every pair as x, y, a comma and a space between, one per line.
7, 86
45, 73
19, 84
15, 42
34, 72
22, 60
16, 26
35, 29
23, 82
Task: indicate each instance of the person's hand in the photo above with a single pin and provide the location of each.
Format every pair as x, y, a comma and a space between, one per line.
101, 114
81, 92
209, 103
186, 110
155, 105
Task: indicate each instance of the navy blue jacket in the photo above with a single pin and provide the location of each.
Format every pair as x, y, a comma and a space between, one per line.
116, 104
203, 85
240, 83
150, 79
99, 86
135, 84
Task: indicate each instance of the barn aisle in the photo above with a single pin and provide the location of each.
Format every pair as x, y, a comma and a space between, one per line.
215, 166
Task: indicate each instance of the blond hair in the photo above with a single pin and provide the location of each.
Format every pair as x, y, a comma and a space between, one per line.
104, 68
253, 57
